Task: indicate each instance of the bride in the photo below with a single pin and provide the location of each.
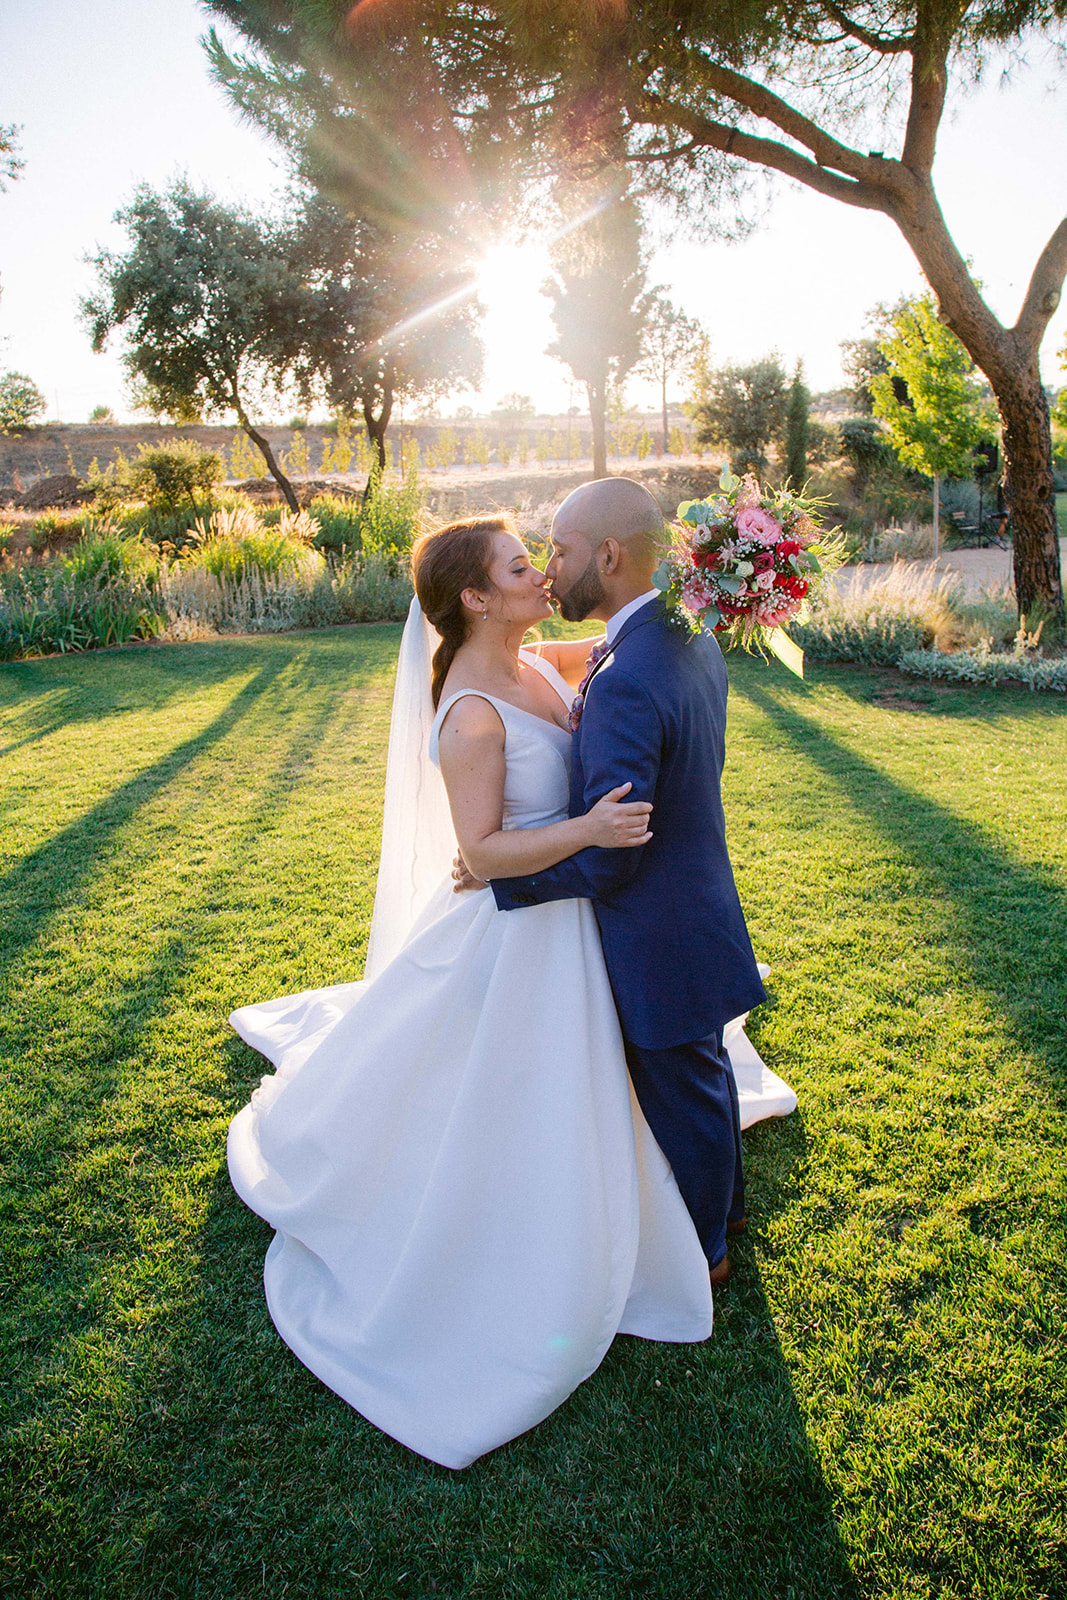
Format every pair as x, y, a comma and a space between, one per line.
468, 1204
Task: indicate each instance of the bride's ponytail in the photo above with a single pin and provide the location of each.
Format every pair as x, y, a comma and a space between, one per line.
443, 564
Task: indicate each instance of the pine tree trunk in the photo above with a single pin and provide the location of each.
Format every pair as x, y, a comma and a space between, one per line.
1031, 496
598, 409
937, 512
1009, 359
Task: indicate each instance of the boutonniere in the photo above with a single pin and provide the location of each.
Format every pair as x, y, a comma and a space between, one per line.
597, 655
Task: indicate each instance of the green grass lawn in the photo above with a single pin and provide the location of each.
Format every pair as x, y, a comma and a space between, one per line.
880, 1409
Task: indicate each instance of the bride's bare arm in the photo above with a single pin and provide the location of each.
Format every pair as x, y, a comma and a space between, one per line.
471, 745
568, 656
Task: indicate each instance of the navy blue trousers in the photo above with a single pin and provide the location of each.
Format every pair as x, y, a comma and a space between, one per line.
689, 1099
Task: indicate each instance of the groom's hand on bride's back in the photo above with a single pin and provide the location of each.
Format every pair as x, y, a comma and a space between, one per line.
463, 877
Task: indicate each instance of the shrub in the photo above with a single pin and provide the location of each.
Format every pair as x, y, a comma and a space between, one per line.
875, 622
390, 515
866, 448
7, 533
167, 475
48, 611
104, 554
235, 544
910, 543
48, 527
980, 664
338, 520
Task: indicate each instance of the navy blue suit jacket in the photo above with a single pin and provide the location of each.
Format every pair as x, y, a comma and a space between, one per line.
675, 942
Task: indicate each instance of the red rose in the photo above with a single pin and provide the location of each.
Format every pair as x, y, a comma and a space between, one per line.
782, 580
705, 558
786, 548
797, 587
762, 561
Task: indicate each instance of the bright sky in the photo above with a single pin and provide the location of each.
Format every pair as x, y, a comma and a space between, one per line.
116, 94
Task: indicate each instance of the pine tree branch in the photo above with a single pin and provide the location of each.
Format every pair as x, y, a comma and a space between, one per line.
897, 45
1043, 294
706, 133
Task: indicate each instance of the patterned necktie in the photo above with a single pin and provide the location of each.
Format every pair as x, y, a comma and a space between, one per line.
599, 651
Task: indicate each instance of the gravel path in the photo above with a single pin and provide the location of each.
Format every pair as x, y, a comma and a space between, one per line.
979, 569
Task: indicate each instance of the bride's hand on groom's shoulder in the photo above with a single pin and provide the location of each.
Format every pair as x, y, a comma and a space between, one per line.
463, 877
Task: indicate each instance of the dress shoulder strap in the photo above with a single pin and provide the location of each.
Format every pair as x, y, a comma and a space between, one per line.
445, 707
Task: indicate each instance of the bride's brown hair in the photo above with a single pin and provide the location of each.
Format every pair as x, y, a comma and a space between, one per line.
443, 564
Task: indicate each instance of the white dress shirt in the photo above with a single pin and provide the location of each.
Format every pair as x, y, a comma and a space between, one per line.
614, 623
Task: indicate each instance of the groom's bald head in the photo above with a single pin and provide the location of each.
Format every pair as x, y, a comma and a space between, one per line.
605, 537
613, 508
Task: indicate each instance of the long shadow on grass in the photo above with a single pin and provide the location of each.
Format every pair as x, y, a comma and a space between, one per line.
47, 879
40, 697
1011, 922
55, 1131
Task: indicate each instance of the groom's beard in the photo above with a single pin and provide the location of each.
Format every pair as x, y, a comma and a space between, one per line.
583, 596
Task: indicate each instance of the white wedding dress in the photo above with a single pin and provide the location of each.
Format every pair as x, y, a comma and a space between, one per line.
468, 1203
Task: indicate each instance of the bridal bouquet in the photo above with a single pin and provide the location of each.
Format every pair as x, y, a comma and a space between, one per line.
745, 562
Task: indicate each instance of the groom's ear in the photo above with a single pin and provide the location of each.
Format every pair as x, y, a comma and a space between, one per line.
609, 556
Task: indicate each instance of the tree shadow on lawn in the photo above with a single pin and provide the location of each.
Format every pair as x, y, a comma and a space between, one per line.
40, 697
49, 878
1024, 971
106, 1153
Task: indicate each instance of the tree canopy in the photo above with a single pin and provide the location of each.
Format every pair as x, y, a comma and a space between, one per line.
386, 319
11, 163
21, 402
446, 105
670, 343
937, 424
207, 301
745, 408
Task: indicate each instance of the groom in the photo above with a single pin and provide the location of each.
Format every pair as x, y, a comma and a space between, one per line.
675, 942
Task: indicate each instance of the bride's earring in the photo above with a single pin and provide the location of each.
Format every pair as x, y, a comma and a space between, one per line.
485, 614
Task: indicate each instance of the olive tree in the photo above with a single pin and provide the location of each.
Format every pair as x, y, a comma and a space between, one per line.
207, 301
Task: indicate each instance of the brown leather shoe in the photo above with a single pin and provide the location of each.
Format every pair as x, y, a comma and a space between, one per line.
720, 1273
734, 1228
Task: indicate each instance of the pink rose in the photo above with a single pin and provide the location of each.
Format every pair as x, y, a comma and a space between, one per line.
759, 524
764, 580
762, 560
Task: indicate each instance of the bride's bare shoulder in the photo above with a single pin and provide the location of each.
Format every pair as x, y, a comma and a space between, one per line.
470, 719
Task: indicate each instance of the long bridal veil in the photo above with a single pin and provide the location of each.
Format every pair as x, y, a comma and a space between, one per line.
418, 839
